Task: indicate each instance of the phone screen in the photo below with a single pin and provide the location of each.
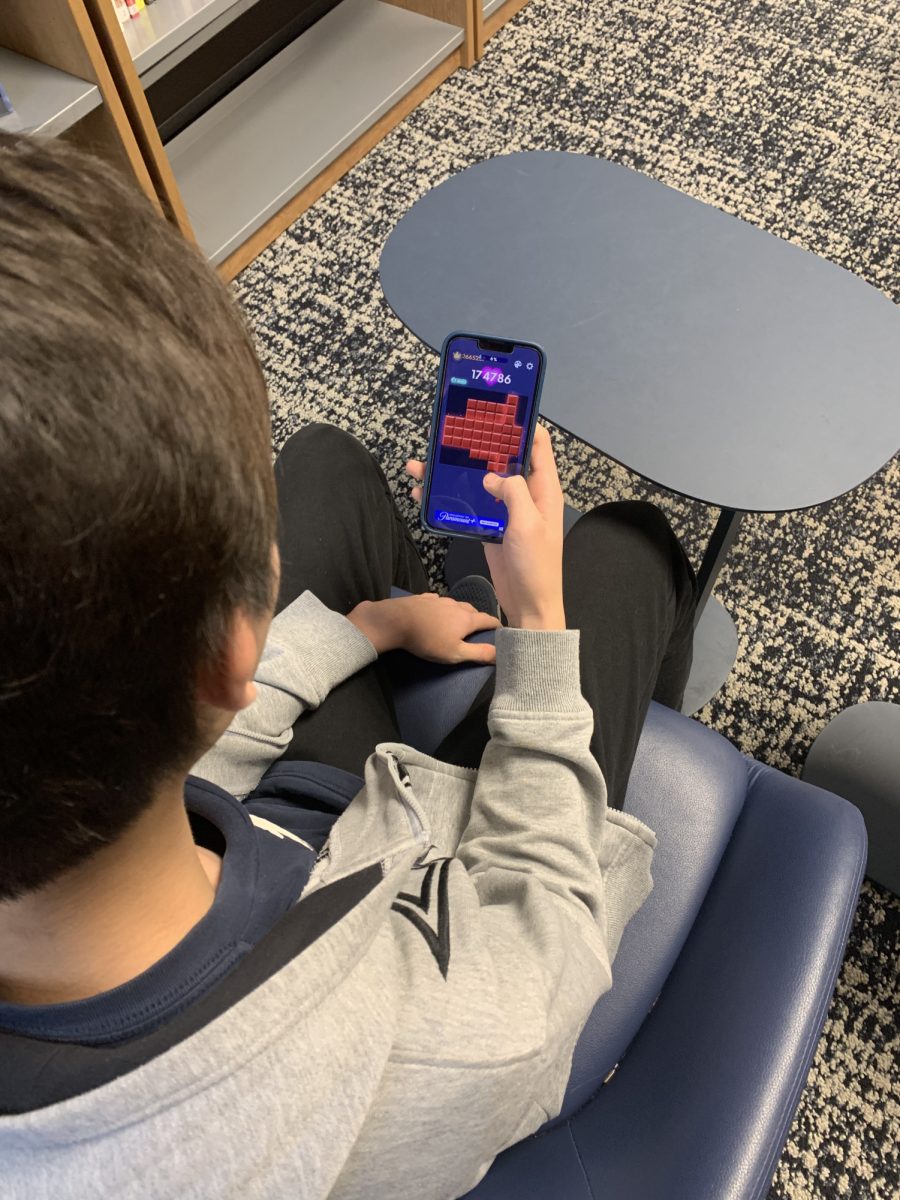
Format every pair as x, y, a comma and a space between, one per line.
487, 408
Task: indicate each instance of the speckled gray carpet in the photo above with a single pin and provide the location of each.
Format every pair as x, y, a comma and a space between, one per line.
786, 113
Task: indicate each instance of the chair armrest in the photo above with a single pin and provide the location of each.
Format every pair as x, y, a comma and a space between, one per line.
702, 1102
689, 785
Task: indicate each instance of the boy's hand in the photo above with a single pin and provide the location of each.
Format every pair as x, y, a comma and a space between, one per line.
430, 626
527, 567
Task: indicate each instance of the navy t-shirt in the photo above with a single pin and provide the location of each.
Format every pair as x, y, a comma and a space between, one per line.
268, 846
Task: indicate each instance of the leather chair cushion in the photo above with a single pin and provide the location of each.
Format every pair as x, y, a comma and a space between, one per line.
857, 756
688, 784
702, 1102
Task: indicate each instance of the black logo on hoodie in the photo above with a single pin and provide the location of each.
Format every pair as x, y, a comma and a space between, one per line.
437, 941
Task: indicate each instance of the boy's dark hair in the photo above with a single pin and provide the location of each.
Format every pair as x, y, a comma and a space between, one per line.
137, 503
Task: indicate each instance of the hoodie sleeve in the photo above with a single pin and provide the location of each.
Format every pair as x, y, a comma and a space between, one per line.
503, 934
540, 799
309, 651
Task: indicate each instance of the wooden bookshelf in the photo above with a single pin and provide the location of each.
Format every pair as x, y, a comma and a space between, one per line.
110, 35
240, 164
242, 171
496, 13
60, 82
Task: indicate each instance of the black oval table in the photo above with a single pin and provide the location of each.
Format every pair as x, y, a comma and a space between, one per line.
709, 356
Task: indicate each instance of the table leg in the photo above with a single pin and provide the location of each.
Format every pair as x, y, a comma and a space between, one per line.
714, 556
715, 633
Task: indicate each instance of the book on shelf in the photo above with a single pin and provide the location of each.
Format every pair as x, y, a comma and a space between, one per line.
127, 10
10, 121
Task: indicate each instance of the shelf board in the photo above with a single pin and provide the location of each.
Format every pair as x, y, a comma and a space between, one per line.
162, 28
239, 163
491, 6
46, 100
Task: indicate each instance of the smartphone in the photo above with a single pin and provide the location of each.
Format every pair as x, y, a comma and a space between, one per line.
485, 412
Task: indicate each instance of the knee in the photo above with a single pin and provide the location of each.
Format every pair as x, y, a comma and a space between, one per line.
637, 516
634, 531
323, 448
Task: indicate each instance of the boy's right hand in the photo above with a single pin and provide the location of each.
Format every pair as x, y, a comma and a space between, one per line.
527, 567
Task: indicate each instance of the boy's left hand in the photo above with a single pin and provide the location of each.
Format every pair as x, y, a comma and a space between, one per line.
430, 626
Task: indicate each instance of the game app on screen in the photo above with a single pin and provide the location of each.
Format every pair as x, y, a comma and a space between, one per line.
486, 406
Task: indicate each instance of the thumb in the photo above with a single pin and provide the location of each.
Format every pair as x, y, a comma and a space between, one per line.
513, 491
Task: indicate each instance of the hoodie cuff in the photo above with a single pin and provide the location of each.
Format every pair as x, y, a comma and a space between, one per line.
538, 671
310, 642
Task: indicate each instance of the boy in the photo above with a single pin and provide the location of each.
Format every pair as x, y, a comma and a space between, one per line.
364, 974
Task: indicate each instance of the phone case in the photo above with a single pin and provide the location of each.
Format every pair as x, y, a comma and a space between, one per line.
435, 414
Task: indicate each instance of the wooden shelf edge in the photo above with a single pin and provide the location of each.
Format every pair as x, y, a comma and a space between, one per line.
503, 14
477, 19
61, 35
112, 101
459, 13
307, 196
109, 34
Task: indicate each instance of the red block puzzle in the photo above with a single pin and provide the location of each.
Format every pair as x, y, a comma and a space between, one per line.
487, 431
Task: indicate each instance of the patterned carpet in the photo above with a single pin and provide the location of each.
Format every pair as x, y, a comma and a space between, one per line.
786, 113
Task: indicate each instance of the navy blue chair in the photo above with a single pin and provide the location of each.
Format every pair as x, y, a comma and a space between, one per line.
689, 1071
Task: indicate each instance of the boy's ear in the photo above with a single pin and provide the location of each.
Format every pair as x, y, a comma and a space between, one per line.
227, 682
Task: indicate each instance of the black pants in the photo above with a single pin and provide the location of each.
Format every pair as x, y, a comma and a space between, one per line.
627, 583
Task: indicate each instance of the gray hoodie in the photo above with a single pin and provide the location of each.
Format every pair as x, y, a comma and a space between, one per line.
459, 928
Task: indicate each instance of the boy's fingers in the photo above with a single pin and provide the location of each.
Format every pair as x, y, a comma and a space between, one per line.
416, 469
543, 479
482, 621
416, 494
478, 652
515, 494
